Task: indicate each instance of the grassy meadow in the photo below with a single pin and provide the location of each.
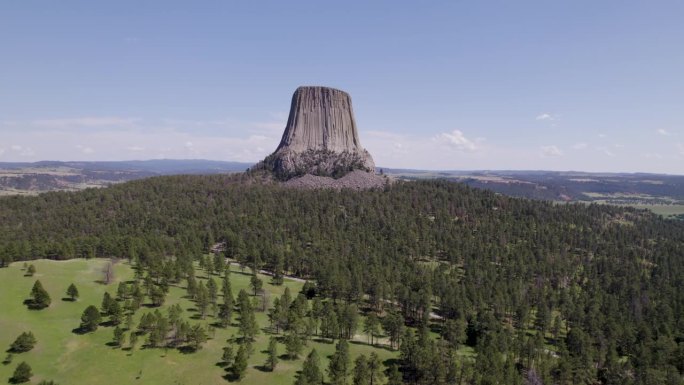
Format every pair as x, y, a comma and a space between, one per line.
70, 358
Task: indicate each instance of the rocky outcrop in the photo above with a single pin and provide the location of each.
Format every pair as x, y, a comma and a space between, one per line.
320, 137
355, 180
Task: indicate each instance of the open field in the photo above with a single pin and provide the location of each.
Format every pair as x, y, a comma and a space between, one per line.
69, 358
664, 210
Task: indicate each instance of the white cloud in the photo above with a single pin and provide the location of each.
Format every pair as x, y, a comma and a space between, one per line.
680, 146
85, 149
663, 132
605, 150
85, 122
456, 140
602, 136
580, 146
545, 116
652, 155
551, 151
22, 151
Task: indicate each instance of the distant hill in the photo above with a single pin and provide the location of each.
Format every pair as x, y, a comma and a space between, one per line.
663, 194
37, 177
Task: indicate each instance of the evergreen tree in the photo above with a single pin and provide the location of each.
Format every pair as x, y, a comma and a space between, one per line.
72, 292
122, 291
40, 298
22, 373
394, 376
248, 325
133, 340
361, 373
90, 319
272, 359
219, 263
119, 336
371, 327
374, 369
157, 296
240, 364
293, 345
256, 283
340, 364
202, 299
115, 313
197, 336
311, 373
226, 309
107, 302
25, 342
212, 290
30, 271
228, 355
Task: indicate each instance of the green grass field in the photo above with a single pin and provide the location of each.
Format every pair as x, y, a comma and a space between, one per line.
69, 358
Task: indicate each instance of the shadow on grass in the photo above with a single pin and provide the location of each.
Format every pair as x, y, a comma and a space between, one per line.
187, 349
81, 330
391, 361
67, 299
263, 368
32, 305
323, 341
384, 347
231, 377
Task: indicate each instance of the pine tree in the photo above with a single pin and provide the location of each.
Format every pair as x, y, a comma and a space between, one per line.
31, 270
212, 290
375, 369
22, 373
272, 359
133, 340
394, 376
115, 313
293, 345
248, 325
40, 298
107, 302
340, 363
256, 283
72, 292
240, 364
122, 291
228, 355
25, 342
202, 299
371, 326
118, 338
197, 336
90, 319
361, 371
311, 371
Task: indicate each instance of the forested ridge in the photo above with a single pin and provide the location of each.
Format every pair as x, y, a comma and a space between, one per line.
565, 294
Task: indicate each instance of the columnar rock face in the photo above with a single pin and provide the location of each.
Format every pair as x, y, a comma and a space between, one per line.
320, 137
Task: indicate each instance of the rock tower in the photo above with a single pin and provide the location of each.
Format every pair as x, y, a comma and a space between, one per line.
320, 137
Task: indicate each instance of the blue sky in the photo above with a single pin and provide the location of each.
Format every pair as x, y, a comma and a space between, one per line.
556, 85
